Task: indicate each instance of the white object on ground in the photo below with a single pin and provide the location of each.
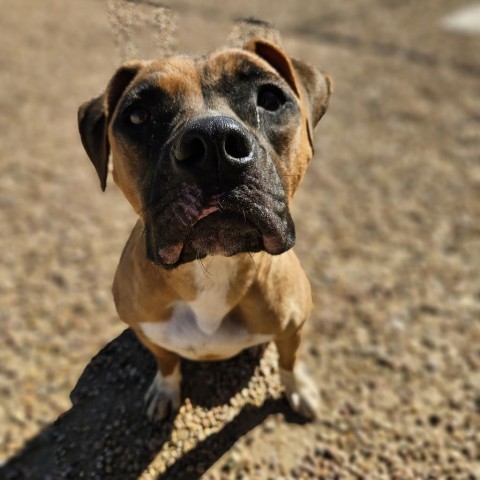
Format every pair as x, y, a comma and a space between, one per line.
466, 20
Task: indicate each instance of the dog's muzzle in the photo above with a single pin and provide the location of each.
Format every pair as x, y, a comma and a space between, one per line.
216, 192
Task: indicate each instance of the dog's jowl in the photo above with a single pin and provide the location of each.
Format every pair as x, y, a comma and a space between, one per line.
209, 152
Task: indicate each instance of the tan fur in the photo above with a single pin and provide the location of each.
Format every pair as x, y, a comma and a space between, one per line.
263, 296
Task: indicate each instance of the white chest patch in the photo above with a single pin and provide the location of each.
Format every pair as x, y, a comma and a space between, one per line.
199, 329
213, 285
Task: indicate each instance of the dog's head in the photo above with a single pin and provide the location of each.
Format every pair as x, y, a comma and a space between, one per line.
209, 150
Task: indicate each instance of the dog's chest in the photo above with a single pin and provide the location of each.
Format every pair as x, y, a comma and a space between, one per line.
198, 329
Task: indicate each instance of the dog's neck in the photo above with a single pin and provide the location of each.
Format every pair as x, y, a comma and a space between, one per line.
214, 278
211, 278
218, 280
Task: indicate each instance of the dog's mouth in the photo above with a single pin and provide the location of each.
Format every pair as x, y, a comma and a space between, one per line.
191, 228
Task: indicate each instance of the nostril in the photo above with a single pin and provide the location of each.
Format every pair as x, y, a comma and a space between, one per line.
197, 149
190, 149
237, 145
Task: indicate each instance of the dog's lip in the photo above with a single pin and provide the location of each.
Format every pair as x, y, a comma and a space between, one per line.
274, 232
170, 254
206, 212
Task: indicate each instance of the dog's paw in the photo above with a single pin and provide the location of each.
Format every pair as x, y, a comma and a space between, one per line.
163, 395
301, 392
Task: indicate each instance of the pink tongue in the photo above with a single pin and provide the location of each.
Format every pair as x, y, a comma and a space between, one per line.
170, 255
207, 211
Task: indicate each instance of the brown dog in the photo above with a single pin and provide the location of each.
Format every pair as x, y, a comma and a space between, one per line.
209, 152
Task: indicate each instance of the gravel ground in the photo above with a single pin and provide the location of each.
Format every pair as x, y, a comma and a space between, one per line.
388, 221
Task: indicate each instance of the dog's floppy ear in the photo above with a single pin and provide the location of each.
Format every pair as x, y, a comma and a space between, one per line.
94, 116
312, 87
317, 87
92, 123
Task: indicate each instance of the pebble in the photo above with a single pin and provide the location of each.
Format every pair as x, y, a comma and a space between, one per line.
269, 426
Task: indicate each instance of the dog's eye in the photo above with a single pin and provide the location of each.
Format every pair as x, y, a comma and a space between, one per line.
270, 98
138, 115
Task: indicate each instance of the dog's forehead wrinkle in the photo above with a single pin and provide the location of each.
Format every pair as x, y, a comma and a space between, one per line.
173, 75
237, 66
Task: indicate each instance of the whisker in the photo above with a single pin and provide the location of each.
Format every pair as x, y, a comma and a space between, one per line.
203, 267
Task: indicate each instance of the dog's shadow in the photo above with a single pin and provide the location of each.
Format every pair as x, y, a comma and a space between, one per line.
106, 433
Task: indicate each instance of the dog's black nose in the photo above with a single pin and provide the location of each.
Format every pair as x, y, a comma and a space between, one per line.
209, 141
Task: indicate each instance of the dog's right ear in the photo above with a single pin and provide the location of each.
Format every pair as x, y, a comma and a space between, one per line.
312, 87
95, 115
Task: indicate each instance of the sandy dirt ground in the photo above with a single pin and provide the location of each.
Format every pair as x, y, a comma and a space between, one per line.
388, 221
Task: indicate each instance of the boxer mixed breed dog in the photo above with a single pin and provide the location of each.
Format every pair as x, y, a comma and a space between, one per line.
209, 152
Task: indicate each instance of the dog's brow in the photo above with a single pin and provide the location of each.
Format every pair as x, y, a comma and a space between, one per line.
246, 67
145, 86
238, 68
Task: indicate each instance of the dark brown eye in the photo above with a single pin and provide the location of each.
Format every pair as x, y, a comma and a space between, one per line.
138, 115
270, 98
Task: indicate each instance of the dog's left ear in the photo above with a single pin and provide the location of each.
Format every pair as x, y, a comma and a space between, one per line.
95, 115
311, 86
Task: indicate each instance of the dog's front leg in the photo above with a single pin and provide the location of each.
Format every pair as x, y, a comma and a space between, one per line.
163, 395
300, 389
